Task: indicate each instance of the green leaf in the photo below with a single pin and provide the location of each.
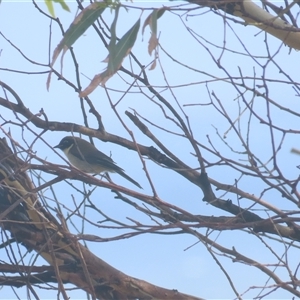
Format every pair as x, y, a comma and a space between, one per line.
122, 48
115, 58
81, 23
50, 7
63, 4
113, 35
49, 4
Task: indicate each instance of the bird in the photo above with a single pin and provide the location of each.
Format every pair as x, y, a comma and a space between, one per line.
87, 158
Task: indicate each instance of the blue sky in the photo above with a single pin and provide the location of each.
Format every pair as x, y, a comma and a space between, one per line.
167, 261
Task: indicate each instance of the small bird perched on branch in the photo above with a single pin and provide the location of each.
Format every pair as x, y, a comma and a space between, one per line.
87, 158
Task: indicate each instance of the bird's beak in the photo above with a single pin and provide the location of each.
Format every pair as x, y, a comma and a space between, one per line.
57, 146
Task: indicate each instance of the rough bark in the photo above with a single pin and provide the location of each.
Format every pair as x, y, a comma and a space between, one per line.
32, 226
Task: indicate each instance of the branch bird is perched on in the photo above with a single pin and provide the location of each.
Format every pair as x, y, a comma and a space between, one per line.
87, 158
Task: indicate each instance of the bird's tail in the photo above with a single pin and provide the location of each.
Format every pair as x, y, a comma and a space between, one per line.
128, 178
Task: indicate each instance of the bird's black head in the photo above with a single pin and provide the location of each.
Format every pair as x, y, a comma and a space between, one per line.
65, 143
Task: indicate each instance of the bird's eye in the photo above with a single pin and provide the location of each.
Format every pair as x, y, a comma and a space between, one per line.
64, 143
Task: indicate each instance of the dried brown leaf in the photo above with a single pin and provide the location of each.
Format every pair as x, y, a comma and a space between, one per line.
99, 79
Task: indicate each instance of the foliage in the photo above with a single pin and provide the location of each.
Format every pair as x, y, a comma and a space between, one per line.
49, 4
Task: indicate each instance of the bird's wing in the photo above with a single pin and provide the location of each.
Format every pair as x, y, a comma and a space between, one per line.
105, 161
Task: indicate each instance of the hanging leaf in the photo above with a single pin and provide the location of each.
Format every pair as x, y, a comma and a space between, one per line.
63, 4
117, 53
113, 35
151, 20
99, 79
49, 4
50, 7
81, 23
122, 48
